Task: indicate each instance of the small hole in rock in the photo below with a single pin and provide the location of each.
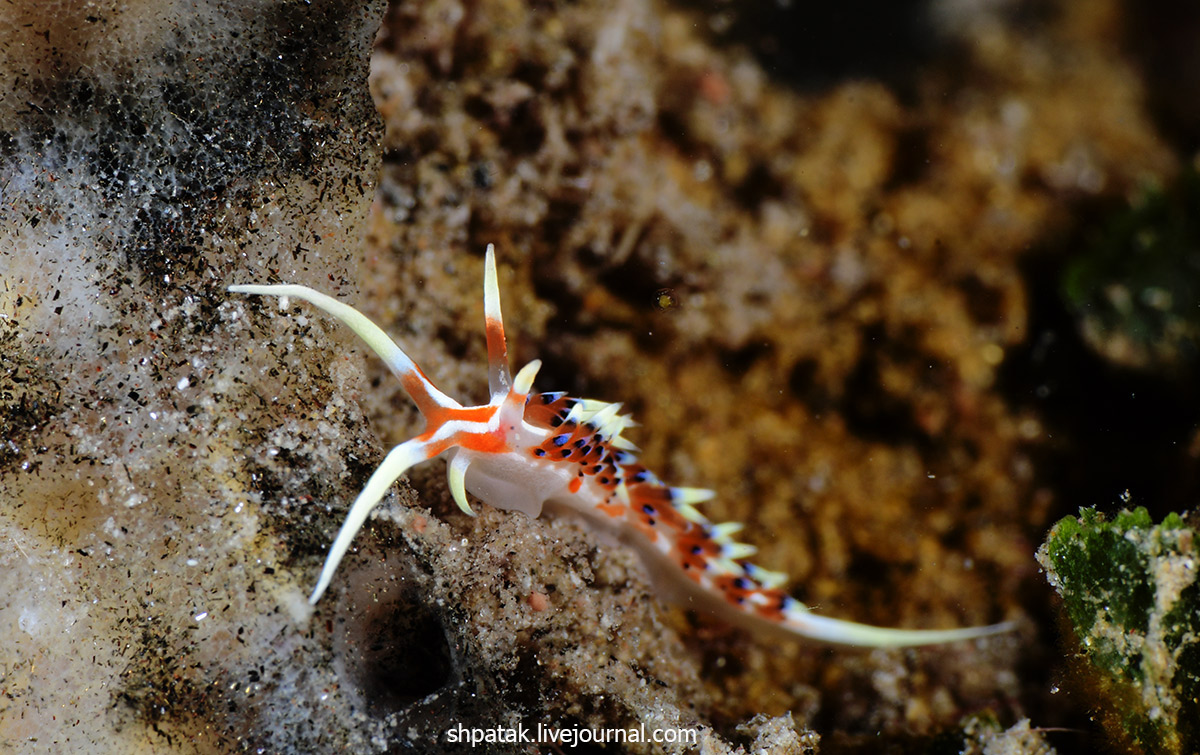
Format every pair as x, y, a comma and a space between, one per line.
392, 646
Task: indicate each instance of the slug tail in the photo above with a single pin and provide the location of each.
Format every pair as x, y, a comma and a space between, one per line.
800, 620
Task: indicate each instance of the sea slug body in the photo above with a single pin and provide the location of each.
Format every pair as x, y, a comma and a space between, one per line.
523, 451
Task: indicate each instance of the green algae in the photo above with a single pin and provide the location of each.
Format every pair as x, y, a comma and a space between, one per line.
1130, 594
1135, 288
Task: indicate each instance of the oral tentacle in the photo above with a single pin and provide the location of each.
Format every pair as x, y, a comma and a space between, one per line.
396, 463
424, 393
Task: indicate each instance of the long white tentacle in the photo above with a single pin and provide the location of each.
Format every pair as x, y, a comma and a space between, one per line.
410, 375
396, 463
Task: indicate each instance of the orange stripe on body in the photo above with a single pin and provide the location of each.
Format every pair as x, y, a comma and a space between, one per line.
470, 414
488, 443
485, 442
439, 415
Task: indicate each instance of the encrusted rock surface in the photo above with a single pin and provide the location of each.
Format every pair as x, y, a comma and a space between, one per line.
151, 153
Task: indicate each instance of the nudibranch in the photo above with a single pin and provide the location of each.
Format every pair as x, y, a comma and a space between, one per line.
524, 451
